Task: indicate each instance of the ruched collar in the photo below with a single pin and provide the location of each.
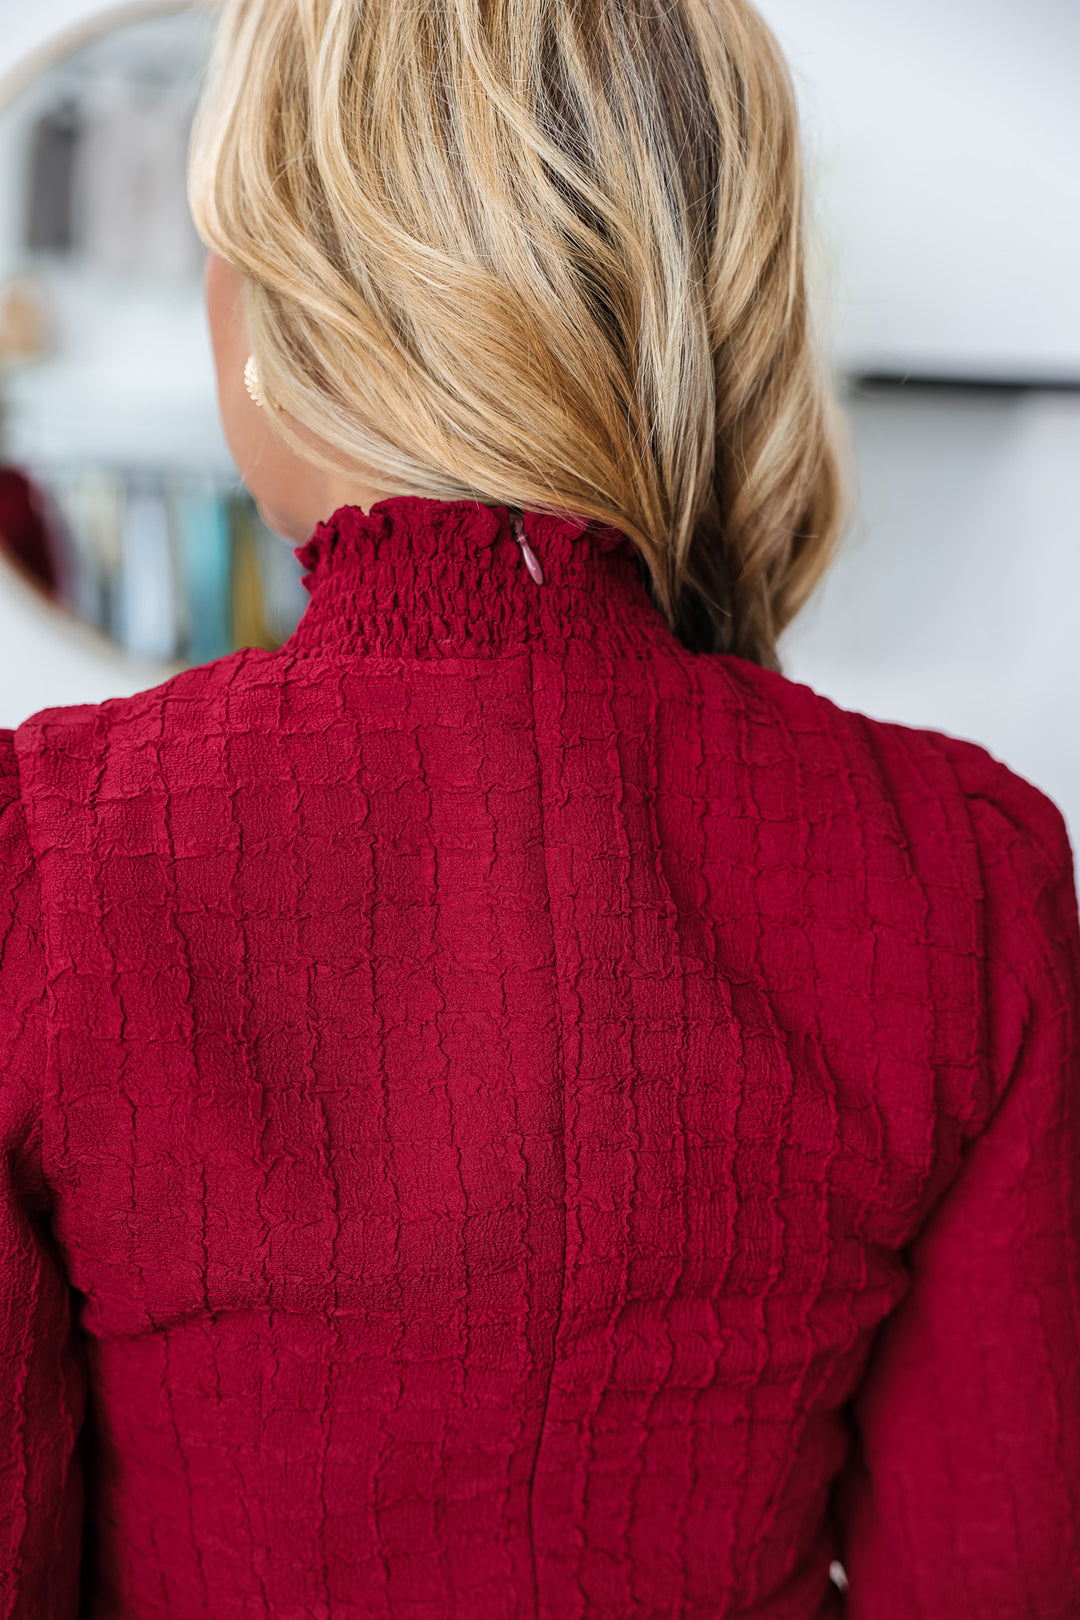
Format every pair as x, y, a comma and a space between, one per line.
418, 577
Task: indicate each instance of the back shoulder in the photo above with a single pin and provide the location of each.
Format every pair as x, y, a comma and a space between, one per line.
78, 749
960, 819
912, 764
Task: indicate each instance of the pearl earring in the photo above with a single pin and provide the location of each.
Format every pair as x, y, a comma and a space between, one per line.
251, 382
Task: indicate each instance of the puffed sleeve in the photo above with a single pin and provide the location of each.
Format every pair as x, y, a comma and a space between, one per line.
42, 1368
960, 1495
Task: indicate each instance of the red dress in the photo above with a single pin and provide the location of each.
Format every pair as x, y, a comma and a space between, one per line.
504, 1118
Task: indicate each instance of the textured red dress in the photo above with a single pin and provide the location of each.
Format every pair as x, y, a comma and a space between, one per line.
506, 1119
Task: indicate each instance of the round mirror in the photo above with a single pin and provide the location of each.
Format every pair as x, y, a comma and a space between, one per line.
119, 501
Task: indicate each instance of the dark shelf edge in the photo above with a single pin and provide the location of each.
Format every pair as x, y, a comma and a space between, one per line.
971, 385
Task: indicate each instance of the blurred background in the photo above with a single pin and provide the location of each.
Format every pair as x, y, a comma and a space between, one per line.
943, 152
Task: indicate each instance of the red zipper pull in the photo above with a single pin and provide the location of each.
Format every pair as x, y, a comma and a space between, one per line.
531, 562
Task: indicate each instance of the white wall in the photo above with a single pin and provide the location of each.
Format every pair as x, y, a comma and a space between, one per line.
944, 146
29, 32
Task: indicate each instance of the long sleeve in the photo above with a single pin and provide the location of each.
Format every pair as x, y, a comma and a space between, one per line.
960, 1497
42, 1370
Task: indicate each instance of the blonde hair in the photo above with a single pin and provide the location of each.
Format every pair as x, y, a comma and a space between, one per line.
548, 255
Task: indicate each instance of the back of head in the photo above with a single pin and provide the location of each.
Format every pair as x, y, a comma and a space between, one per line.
547, 254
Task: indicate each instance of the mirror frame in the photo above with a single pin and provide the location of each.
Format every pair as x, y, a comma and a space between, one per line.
88, 32
13, 577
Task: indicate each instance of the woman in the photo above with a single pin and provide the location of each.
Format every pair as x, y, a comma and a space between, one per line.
512, 1107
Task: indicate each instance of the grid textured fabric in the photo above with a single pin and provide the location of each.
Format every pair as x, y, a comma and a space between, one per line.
504, 1118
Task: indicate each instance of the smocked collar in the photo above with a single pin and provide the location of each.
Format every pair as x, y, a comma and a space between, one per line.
418, 577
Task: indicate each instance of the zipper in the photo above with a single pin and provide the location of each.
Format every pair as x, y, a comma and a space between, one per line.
517, 521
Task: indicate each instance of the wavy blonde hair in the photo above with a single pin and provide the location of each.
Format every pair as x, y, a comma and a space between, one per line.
545, 254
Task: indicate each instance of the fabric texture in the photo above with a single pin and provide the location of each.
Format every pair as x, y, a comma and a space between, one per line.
505, 1118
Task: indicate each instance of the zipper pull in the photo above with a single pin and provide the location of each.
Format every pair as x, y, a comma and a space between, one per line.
531, 561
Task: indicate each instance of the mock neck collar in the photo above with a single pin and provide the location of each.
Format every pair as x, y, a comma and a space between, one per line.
417, 577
